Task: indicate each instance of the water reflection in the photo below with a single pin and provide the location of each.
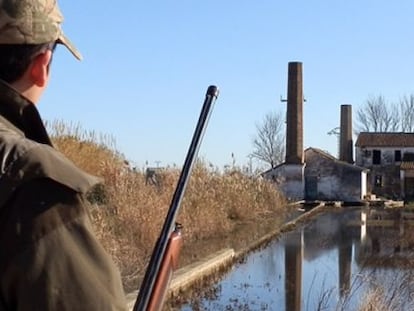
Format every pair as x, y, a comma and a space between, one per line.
386, 238
293, 271
330, 264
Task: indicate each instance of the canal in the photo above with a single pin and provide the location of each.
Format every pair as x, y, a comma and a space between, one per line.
348, 259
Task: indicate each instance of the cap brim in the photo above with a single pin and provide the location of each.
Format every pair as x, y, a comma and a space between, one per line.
66, 42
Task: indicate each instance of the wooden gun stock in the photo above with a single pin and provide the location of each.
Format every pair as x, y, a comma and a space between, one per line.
168, 266
164, 258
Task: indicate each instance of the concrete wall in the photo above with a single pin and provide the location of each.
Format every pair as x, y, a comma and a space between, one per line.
289, 178
364, 184
332, 180
384, 179
336, 180
364, 155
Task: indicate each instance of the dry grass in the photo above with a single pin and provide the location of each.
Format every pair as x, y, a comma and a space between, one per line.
392, 292
379, 290
128, 213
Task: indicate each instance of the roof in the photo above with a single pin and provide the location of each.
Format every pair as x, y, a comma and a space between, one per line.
333, 159
324, 154
277, 167
380, 139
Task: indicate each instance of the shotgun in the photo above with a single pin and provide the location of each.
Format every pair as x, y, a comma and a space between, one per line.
164, 258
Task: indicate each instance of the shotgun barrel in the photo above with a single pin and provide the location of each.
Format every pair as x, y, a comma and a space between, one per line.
165, 253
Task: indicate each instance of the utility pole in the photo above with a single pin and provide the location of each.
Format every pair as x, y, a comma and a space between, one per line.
250, 156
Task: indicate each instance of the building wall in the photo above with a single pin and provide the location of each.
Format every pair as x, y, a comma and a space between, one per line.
364, 156
289, 178
384, 179
336, 181
322, 176
364, 184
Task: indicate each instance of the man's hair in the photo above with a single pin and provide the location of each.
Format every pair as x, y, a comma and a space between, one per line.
16, 58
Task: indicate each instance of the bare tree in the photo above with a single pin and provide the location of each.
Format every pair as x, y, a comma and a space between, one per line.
269, 143
406, 112
376, 115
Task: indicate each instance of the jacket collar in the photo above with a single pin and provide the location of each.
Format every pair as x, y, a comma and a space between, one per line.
22, 113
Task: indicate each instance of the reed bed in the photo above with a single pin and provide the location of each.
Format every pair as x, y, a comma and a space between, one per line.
388, 292
128, 208
377, 290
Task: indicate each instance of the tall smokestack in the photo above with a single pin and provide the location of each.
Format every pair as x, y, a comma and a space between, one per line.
345, 138
294, 131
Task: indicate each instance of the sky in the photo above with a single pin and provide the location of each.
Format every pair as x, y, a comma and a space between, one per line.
147, 66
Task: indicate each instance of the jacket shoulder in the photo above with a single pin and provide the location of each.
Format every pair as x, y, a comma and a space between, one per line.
23, 160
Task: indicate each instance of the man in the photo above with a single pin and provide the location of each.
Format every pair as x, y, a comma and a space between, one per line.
49, 257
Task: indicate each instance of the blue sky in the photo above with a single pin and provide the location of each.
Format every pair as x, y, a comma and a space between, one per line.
147, 65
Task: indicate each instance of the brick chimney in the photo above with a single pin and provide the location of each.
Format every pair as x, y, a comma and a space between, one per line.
294, 129
345, 138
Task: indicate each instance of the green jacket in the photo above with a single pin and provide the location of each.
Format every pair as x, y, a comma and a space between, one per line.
50, 258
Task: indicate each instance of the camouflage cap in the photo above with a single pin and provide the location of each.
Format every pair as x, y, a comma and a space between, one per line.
32, 22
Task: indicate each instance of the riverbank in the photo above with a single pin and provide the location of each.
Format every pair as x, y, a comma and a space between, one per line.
222, 253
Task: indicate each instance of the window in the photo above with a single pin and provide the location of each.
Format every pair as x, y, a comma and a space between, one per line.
378, 180
367, 153
397, 155
376, 157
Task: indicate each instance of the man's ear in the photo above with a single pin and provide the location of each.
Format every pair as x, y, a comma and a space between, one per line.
39, 69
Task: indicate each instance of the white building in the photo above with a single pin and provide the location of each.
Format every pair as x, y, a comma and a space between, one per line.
321, 177
390, 160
